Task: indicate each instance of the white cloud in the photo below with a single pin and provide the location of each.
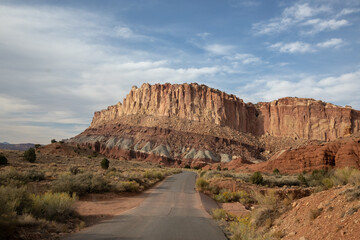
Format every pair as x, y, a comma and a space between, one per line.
302, 16
290, 16
63, 68
203, 35
294, 47
347, 11
245, 58
342, 89
319, 25
301, 11
334, 42
219, 49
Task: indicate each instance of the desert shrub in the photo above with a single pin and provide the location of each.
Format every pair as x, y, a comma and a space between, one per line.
352, 194
127, 186
37, 146
30, 155
219, 213
3, 160
74, 170
187, 166
201, 184
53, 141
80, 184
268, 209
276, 171
327, 182
52, 206
151, 174
202, 173
105, 163
346, 175
34, 175
228, 196
218, 168
242, 229
256, 178
13, 200
16, 178
302, 179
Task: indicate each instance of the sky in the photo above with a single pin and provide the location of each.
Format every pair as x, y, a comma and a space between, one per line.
62, 60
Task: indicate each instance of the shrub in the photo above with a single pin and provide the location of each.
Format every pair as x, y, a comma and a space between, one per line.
218, 168
276, 171
3, 160
37, 146
74, 170
150, 174
52, 206
256, 178
80, 184
13, 200
53, 141
128, 186
201, 184
30, 155
302, 179
105, 163
34, 175
327, 182
187, 166
219, 213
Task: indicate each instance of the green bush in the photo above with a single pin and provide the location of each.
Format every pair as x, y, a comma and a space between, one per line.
3, 160
13, 177
30, 155
187, 166
201, 184
53, 141
302, 179
52, 206
80, 184
105, 163
218, 168
256, 178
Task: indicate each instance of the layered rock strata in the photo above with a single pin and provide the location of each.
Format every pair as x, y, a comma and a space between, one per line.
286, 117
193, 124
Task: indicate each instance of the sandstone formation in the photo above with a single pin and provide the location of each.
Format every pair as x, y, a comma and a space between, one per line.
341, 153
179, 124
286, 117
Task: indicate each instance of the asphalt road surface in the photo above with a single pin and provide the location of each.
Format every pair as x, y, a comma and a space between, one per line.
172, 210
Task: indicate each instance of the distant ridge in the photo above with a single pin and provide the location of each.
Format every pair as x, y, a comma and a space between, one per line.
20, 146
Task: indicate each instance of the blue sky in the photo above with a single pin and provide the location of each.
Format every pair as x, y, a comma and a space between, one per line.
62, 60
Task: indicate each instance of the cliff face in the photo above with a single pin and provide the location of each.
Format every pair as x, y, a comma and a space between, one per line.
287, 117
308, 119
186, 101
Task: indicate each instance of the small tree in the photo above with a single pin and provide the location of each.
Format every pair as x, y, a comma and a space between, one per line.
53, 141
3, 160
105, 163
218, 168
30, 155
256, 178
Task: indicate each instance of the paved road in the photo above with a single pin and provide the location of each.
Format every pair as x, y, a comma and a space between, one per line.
172, 210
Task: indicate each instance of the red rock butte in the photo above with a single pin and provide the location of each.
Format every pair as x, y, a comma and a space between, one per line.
191, 121
290, 117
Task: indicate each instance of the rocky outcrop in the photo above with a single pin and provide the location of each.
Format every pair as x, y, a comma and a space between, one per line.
197, 125
341, 153
286, 117
302, 118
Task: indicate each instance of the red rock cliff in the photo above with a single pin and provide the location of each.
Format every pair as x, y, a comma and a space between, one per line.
188, 101
290, 117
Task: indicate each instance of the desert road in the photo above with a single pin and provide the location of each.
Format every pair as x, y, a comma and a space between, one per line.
172, 210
